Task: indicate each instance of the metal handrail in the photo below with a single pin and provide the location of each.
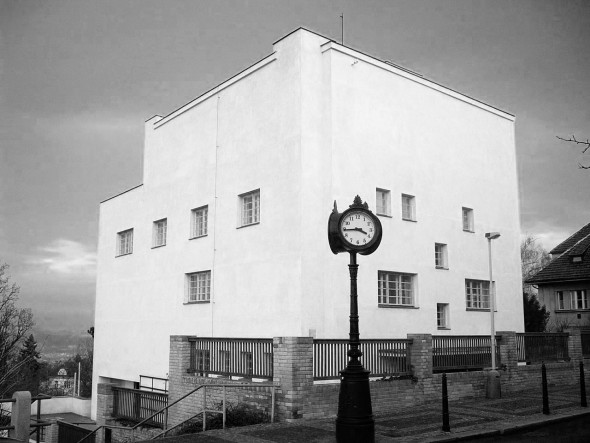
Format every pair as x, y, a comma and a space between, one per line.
165, 409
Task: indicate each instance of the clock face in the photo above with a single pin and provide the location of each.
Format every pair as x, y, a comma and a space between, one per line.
357, 228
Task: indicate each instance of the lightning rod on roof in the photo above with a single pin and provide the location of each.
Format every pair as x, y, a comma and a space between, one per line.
342, 29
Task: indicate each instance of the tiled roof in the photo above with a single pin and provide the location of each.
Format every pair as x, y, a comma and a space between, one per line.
566, 267
572, 240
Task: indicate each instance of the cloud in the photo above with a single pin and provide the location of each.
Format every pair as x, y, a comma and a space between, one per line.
66, 258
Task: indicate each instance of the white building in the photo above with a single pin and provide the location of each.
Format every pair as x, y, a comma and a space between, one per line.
227, 235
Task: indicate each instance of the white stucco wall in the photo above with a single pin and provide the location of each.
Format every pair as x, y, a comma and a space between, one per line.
311, 123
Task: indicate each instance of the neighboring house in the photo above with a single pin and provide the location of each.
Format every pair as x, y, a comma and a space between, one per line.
227, 235
564, 284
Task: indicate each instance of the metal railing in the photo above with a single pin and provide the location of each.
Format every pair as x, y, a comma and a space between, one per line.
147, 382
242, 357
537, 347
457, 352
164, 411
585, 336
70, 433
381, 357
36, 424
137, 405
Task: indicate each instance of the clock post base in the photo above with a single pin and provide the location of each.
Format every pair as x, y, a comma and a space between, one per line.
355, 421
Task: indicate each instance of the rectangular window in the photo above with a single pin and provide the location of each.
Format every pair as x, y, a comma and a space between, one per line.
408, 207
477, 294
383, 203
580, 299
561, 301
199, 221
199, 287
468, 220
395, 289
203, 361
125, 242
250, 208
442, 316
440, 256
159, 233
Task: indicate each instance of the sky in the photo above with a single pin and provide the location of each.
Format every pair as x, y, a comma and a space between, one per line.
79, 78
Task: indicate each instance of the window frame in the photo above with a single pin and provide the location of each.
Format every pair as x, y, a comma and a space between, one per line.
156, 232
255, 210
400, 293
441, 259
198, 289
128, 248
467, 219
412, 207
383, 202
579, 299
561, 296
203, 224
442, 316
480, 303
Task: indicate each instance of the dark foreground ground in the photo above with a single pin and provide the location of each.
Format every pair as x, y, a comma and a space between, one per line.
515, 417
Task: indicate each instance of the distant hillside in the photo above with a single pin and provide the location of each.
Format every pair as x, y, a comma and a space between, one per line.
58, 345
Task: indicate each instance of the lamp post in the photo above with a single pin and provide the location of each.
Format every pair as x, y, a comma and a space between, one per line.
493, 388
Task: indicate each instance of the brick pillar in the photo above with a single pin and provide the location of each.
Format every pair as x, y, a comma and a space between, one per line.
179, 362
20, 417
105, 400
293, 375
52, 431
508, 351
421, 355
575, 345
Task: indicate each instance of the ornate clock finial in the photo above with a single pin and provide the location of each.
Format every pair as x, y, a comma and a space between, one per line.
335, 210
358, 203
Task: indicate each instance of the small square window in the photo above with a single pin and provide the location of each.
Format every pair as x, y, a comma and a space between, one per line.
250, 208
383, 202
125, 242
442, 316
468, 220
199, 222
408, 207
198, 287
440, 256
477, 294
159, 233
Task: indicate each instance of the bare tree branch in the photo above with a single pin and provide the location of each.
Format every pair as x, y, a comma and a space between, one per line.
578, 142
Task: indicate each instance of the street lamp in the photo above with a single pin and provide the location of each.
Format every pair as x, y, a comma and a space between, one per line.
493, 389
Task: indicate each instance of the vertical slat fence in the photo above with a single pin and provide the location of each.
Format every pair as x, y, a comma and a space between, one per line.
136, 405
381, 357
240, 357
457, 352
536, 347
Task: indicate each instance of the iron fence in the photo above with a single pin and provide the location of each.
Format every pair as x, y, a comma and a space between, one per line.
381, 357
241, 357
536, 347
460, 352
137, 405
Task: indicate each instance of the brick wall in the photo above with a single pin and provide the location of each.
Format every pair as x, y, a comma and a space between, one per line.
181, 383
297, 396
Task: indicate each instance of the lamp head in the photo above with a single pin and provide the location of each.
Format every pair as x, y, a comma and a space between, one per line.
492, 235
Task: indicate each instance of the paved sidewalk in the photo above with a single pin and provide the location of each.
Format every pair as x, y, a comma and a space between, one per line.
469, 419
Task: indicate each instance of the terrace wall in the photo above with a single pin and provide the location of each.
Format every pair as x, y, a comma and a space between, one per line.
298, 396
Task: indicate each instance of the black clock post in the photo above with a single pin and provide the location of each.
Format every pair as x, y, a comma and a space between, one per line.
356, 230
